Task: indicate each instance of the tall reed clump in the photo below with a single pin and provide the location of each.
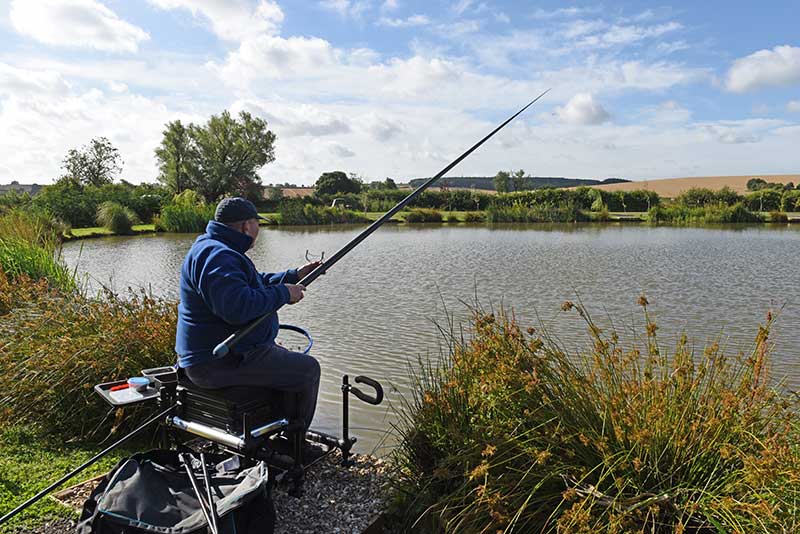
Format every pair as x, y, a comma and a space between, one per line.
512, 434
116, 217
423, 215
30, 245
296, 214
187, 213
56, 347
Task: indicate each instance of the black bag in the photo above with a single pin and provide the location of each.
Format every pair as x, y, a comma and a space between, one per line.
151, 493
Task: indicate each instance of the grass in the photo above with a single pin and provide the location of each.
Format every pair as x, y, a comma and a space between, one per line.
55, 345
510, 433
30, 461
29, 247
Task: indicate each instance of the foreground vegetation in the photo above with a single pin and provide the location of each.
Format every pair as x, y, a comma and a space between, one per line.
512, 434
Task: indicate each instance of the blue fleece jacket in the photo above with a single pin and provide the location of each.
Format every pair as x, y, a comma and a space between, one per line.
220, 291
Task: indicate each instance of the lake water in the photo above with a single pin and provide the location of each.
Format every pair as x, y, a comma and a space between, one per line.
377, 309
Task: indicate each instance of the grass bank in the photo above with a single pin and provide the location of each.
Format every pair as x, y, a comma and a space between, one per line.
30, 461
513, 434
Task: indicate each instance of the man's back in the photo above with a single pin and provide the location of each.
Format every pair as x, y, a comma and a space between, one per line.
221, 290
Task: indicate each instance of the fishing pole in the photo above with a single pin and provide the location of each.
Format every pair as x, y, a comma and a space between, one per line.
223, 348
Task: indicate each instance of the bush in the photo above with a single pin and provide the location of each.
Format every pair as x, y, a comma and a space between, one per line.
422, 215
116, 217
29, 247
709, 214
538, 213
452, 218
764, 200
778, 217
187, 213
790, 200
58, 346
511, 433
296, 214
474, 217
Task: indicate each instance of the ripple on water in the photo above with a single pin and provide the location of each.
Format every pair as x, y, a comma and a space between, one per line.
375, 311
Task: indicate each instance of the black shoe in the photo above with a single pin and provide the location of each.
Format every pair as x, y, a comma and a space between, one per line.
312, 452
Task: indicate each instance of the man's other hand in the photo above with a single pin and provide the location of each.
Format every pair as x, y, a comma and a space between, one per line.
307, 268
295, 292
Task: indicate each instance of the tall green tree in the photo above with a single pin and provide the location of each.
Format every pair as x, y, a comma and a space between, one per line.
502, 181
97, 163
219, 158
173, 154
518, 179
330, 183
227, 153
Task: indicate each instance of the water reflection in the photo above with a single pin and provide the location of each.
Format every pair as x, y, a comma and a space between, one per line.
375, 310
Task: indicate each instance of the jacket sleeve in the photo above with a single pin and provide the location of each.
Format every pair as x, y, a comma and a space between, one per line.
223, 286
285, 277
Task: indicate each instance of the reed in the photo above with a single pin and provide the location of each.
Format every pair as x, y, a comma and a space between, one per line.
510, 433
423, 215
116, 217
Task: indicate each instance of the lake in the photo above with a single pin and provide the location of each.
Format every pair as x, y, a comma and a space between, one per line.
378, 308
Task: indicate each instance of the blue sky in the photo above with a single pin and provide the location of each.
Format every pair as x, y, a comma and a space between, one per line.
400, 87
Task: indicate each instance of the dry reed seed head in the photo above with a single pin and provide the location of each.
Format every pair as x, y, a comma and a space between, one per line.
567, 305
642, 301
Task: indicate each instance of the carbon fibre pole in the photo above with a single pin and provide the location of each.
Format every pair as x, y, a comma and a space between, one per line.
223, 348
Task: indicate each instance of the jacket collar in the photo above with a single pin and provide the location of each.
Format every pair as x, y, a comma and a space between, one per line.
238, 241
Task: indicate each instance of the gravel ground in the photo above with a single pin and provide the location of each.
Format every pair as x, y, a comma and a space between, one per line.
336, 500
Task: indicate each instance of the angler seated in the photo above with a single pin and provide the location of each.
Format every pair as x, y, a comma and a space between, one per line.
220, 291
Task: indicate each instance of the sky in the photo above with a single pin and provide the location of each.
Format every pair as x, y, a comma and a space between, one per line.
398, 88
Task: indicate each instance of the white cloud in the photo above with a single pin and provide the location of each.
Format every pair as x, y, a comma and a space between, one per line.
565, 12
346, 8
461, 6
793, 106
583, 109
390, 5
15, 80
233, 20
409, 22
742, 131
75, 23
667, 112
340, 151
290, 120
381, 128
277, 58
765, 68
618, 35
502, 17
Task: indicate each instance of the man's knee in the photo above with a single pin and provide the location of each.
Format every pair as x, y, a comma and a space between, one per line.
314, 369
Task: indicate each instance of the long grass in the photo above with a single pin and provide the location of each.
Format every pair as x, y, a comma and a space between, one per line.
116, 217
423, 215
513, 434
54, 347
30, 246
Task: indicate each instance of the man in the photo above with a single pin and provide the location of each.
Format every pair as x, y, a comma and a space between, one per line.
220, 291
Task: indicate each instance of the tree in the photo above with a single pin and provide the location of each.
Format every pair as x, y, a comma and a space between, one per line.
501, 182
173, 155
97, 163
330, 183
389, 184
518, 178
219, 158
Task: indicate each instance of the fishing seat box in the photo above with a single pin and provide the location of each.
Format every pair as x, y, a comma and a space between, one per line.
227, 408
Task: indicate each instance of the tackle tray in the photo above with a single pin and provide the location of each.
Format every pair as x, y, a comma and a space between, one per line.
124, 397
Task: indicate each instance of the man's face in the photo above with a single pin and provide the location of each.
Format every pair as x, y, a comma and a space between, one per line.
250, 227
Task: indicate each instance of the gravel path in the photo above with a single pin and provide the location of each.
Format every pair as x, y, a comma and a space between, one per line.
336, 500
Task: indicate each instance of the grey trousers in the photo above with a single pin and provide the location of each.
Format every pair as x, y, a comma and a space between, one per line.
274, 368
